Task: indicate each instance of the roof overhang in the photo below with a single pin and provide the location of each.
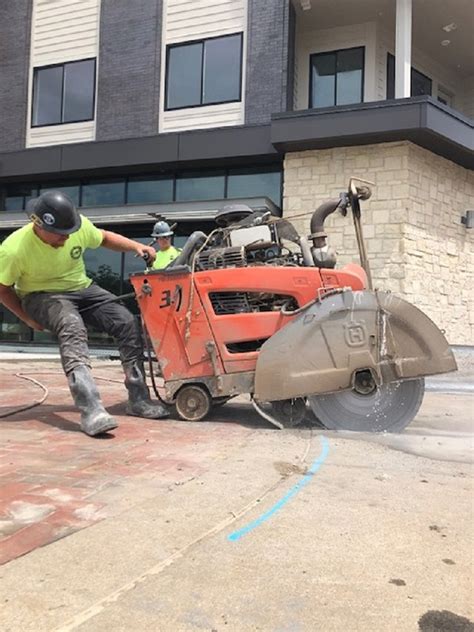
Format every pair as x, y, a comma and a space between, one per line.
150, 154
421, 120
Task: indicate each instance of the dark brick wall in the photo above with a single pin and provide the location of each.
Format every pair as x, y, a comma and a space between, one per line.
129, 69
267, 59
15, 27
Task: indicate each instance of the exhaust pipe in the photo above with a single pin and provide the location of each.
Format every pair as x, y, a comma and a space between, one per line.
323, 255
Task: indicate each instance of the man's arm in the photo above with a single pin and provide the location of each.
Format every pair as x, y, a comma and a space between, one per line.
11, 301
119, 243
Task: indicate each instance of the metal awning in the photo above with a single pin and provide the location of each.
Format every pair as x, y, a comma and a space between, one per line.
146, 213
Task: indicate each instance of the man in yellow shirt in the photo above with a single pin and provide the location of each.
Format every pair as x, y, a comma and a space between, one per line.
167, 252
43, 281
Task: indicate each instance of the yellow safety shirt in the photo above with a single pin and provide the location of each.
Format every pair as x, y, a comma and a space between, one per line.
33, 266
164, 257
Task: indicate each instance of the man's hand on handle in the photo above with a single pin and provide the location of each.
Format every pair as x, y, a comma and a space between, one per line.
148, 253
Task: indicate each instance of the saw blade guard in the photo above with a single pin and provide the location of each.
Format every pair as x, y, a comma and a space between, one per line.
355, 340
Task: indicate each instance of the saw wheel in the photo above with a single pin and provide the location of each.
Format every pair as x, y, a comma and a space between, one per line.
193, 402
388, 408
287, 413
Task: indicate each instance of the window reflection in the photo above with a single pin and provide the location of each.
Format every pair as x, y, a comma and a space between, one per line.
104, 267
190, 186
420, 84
79, 88
64, 93
103, 193
146, 190
255, 183
183, 86
349, 76
12, 329
71, 190
204, 72
222, 69
323, 69
14, 203
18, 195
336, 78
47, 95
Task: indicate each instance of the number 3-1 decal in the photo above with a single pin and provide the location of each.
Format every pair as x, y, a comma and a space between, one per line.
167, 300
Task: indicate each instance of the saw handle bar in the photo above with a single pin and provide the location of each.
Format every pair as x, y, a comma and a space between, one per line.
114, 299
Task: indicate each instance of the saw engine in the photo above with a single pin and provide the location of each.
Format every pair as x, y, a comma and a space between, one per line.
254, 307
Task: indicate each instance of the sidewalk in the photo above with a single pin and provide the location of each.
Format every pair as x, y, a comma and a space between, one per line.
217, 525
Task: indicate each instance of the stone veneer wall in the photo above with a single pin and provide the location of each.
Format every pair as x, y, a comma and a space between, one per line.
417, 245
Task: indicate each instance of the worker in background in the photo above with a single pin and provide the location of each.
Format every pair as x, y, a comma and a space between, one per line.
166, 251
43, 281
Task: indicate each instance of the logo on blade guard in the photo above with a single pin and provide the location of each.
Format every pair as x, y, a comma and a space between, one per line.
76, 252
355, 335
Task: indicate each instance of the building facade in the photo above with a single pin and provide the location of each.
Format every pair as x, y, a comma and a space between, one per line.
180, 106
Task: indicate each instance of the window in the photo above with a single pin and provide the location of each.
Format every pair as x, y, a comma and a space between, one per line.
71, 190
336, 78
204, 72
148, 190
236, 182
18, 195
201, 186
64, 93
420, 83
263, 182
103, 193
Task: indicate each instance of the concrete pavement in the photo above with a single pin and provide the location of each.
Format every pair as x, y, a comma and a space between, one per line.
229, 524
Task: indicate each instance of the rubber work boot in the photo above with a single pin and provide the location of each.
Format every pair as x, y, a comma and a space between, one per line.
95, 419
139, 402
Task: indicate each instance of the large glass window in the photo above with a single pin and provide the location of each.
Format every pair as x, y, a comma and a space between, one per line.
200, 186
64, 93
103, 193
149, 190
18, 195
104, 267
255, 182
420, 83
336, 78
70, 189
204, 72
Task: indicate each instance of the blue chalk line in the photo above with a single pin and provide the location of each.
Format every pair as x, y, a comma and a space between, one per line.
236, 535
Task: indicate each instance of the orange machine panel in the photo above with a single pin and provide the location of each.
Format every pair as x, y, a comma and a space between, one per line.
178, 334
182, 319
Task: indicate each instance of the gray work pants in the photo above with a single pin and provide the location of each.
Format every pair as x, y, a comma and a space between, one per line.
61, 314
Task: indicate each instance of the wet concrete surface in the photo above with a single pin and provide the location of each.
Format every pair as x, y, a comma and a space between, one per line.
229, 524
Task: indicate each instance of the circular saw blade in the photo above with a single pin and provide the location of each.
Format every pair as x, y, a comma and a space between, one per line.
390, 408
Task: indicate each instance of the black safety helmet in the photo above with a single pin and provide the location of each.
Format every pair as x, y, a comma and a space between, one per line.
162, 229
55, 212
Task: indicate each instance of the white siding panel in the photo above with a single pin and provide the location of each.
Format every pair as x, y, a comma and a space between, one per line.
221, 115
193, 19
187, 20
62, 31
62, 134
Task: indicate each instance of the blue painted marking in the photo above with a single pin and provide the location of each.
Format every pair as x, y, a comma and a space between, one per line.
236, 535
